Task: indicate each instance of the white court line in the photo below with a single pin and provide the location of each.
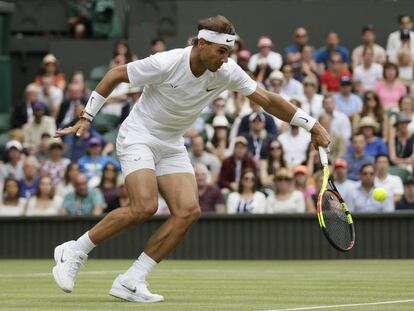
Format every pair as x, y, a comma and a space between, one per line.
346, 306
41, 274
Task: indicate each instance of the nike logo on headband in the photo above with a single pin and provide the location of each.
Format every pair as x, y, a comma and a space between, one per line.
227, 40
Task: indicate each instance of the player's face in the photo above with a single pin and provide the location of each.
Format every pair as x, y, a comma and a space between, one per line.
213, 55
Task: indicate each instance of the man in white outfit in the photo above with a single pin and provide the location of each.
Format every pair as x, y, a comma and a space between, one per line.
178, 86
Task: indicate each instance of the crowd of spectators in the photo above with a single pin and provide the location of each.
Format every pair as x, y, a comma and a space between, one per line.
245, 160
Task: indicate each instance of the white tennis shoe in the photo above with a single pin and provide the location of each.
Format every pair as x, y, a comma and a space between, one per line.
133, 290
68, 263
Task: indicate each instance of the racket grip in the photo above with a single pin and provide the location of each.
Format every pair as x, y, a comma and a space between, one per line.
323, 154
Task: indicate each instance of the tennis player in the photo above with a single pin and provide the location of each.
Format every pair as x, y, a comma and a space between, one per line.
178, 85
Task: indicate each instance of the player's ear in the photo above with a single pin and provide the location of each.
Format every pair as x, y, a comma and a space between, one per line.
201, 43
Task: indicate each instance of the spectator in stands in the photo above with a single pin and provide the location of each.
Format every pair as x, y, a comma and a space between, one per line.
372, 107
356, 157
42, 153
92, 163
262, 72
368, 43
70, 107
51, 95
301, 183
342, 182
291, 87
295, 142
374, 144
78, 78
122, 200
312, 101
345, 100
406, 105
218, 107
309, 67
275, 160
367, 73
210, 197
398, 38
390, 89
11, 204
108, 183
44, 202
362, 199
219, 145
23, 112
80, 19
285, 199
331, 77
14, 165
33, 130
401, 143
405, 67
391, 183
122, 48
198, 155
332, 47
30, 181
50, 69
340, 122
273, 59
71, 172
407, 200
338, 145
77, 146
238, 46
55, 165
258, 138
270, 124
243, 58
293, 52
247, 200
119, 95
158, 45
83, 201
232, 166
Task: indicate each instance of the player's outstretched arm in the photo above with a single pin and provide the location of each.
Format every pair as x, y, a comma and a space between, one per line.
98, 97
282, 109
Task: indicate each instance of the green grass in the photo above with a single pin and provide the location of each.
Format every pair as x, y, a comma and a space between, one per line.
216, 285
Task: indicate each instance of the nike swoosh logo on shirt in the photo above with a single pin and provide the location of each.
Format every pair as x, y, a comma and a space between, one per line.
209, 90
133, 290
174, 86
306, 120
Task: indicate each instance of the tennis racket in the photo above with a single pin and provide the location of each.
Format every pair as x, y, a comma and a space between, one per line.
334, 217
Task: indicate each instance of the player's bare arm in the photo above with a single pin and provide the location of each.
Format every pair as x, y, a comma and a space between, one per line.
282, 109
111, 79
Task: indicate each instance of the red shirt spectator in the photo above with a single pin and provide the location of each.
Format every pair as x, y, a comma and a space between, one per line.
331, 77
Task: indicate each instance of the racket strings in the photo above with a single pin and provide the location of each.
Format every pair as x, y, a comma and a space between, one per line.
335, 220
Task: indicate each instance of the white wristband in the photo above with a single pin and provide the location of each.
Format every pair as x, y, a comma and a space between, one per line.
95, 103
302, 119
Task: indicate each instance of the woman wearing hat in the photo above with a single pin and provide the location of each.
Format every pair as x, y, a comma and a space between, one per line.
50, 69
375, 145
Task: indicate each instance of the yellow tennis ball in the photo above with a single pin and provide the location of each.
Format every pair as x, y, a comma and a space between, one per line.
380, 194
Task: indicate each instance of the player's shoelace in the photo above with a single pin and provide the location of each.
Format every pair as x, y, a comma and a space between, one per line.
74, 266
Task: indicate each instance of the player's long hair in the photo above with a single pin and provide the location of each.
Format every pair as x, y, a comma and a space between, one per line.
217, 23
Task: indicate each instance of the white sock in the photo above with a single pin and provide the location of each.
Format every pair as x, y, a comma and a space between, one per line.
141, 267
84, 244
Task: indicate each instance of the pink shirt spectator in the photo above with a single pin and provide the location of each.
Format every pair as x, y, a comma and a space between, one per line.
390, 95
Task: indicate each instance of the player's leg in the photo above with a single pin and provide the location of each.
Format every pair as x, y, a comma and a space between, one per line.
70, 256
179, 191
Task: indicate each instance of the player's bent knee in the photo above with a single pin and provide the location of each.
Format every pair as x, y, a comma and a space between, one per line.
190, 214
140, 213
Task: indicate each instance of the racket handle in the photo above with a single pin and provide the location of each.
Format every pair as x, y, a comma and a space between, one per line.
323, 154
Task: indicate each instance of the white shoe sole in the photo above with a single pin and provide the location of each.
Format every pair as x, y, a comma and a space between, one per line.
119, 292
55, 272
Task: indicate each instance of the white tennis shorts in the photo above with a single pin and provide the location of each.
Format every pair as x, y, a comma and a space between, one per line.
137, 149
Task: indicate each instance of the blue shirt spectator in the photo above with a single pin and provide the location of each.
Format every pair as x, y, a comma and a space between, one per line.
78, 146
374, 145
28, 189
28, 184
345, 100
356, 157
332, 45
83, 201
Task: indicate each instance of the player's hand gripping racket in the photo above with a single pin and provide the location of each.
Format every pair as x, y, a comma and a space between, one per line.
333, 214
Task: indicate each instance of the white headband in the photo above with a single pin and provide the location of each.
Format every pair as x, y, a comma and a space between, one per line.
217, 37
